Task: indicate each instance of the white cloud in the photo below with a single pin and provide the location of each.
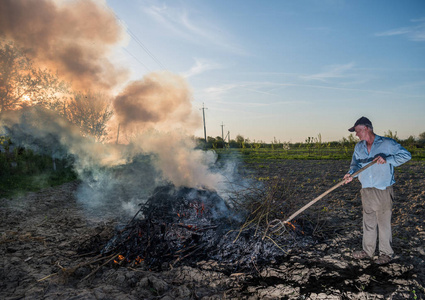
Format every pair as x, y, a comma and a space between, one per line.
331, 72
264, 88
201, 66
414, 33
193, 26
221, 89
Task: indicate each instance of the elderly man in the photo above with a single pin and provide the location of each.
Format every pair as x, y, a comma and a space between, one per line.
377, 191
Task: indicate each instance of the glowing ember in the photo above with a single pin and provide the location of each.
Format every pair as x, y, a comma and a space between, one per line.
138, 260
293, 227
120, 258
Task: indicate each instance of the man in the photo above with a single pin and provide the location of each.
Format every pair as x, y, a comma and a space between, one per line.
377, 191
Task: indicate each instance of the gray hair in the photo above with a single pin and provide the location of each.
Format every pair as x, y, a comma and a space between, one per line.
369, 126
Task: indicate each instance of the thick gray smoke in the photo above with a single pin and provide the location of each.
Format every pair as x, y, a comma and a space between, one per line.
155, 114
112, 180
162, 100
159, 110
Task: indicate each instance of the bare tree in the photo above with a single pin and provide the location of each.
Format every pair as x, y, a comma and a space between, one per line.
22, 84
91, 112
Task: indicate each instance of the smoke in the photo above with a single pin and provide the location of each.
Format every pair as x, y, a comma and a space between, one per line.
178, 161
156, 115
112, 179
73, 37
115, 178
160, 100
48, 133
159, 108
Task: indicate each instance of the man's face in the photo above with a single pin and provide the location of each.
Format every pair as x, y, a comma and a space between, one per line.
361, 132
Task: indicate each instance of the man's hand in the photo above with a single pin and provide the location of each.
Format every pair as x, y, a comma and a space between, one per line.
348, 178
380, 160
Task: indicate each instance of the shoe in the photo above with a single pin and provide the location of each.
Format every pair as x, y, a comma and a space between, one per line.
360, 254
382, 259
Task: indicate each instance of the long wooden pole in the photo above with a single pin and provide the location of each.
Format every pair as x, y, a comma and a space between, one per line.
325, 193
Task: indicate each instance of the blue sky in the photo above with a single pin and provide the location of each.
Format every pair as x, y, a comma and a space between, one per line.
286, 69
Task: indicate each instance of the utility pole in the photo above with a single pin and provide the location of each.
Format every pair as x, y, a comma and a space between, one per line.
205, 126
222, 134
118, 133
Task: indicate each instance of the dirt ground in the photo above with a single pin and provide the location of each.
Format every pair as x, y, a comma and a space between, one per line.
41, 233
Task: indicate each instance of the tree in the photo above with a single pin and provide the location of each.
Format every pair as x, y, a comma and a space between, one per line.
233, 144
392, 135
91, 112
219, 143
240, 140
421, 138
352, 139
275, 144
409, 142
347, 144
22, 84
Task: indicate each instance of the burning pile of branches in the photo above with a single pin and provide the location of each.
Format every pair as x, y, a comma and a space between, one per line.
190, 225
173, 224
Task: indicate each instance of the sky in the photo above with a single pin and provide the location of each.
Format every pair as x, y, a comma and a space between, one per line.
285, 70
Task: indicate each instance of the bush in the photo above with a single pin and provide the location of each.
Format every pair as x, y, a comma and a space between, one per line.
23, 170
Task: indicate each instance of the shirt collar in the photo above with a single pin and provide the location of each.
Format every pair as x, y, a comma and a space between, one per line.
378, 140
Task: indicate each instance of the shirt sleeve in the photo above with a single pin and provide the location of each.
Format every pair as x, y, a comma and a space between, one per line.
355, 162
398, 155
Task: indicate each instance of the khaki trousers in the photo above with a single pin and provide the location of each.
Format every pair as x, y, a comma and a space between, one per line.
377, 209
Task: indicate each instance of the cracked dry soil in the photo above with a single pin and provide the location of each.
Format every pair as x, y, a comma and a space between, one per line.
41, 232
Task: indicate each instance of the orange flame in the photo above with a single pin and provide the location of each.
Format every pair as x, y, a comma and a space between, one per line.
199, 208
294, 227
138, 260
120, 258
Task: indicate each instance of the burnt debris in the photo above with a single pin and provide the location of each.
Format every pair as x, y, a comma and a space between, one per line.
187, 225
172, 225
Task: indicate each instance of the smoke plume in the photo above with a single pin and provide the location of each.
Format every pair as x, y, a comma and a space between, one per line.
155, 114
161, 100
159, 108
73, 38
112, 179
48, 133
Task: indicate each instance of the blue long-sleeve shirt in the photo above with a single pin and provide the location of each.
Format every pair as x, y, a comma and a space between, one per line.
379, 176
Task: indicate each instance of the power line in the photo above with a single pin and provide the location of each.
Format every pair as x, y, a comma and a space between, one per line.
138, 41
137, 59
135, 38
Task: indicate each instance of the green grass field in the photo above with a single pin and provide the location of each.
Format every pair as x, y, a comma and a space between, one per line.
263, 154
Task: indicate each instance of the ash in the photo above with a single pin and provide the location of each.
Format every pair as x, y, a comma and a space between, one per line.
183, 225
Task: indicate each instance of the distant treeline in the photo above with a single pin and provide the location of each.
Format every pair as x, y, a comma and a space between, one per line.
310, 142
311, 148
